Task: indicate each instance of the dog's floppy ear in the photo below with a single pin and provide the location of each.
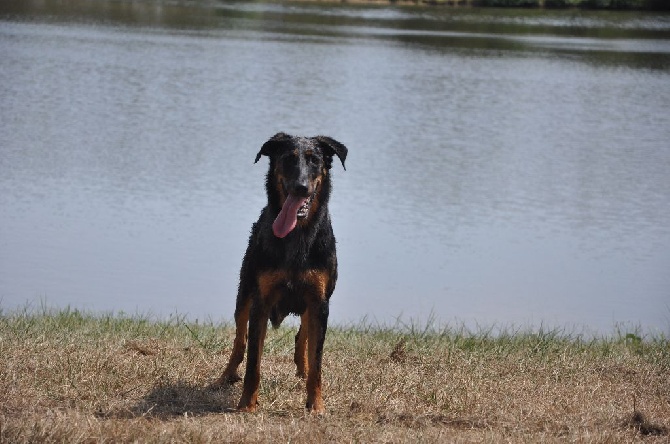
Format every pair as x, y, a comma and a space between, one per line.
332, 147
271, 146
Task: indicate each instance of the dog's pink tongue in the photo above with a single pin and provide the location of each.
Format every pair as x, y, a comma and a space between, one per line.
288, 216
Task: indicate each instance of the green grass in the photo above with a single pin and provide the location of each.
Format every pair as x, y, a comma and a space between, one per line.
68, 376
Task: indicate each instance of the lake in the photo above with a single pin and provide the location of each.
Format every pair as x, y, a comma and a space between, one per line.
506, 169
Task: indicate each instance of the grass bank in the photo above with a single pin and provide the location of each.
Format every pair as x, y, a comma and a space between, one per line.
72, 377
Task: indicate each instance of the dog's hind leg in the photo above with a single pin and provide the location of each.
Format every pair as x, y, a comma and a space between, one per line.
230, 374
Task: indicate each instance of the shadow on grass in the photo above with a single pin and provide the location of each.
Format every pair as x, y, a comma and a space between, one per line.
180, 399
643, 426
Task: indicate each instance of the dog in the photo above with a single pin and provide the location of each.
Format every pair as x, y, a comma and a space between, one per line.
290, 265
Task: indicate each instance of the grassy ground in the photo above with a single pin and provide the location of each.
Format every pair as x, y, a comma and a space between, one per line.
76, 378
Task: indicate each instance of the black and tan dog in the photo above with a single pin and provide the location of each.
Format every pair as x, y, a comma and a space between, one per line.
290, 266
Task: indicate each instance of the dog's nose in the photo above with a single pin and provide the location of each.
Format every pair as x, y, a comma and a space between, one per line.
301, 189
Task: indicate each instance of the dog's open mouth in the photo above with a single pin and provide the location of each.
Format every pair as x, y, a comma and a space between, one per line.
294, 208
303, 211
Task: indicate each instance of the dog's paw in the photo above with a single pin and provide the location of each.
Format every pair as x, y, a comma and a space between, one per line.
251, 408
226, 380
316, 409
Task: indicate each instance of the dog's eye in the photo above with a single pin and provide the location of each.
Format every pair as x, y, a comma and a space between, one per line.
312, 158
288, 161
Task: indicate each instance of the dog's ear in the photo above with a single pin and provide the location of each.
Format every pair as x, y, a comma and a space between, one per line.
271, 147
332, 147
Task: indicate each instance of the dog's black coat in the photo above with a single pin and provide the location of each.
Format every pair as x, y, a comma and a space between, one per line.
289, 271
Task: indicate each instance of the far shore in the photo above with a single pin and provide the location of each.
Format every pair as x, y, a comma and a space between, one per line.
621, 5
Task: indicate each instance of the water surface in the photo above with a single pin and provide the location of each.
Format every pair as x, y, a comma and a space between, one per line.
505, 167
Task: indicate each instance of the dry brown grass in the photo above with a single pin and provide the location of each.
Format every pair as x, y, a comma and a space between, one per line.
68, 377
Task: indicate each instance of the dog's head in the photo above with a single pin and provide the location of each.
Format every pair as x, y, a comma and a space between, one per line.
298, 170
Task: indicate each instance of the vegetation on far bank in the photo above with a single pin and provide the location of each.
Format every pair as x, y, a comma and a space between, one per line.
658, 5
587, 4
72, 377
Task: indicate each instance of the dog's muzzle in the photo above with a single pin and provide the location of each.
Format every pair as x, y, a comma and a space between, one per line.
303, 211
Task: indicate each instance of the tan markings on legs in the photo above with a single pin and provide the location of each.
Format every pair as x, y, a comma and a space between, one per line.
314, 397
230, 374
317, 281
300, 355
252, 377
258, 323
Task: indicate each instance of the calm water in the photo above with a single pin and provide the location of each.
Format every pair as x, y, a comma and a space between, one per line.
506, 168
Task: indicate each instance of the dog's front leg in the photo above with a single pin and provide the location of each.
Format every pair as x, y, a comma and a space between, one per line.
318, 324
258, 324
300, 355
230, 374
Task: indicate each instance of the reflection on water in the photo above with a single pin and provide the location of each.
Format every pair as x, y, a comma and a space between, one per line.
505, 167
